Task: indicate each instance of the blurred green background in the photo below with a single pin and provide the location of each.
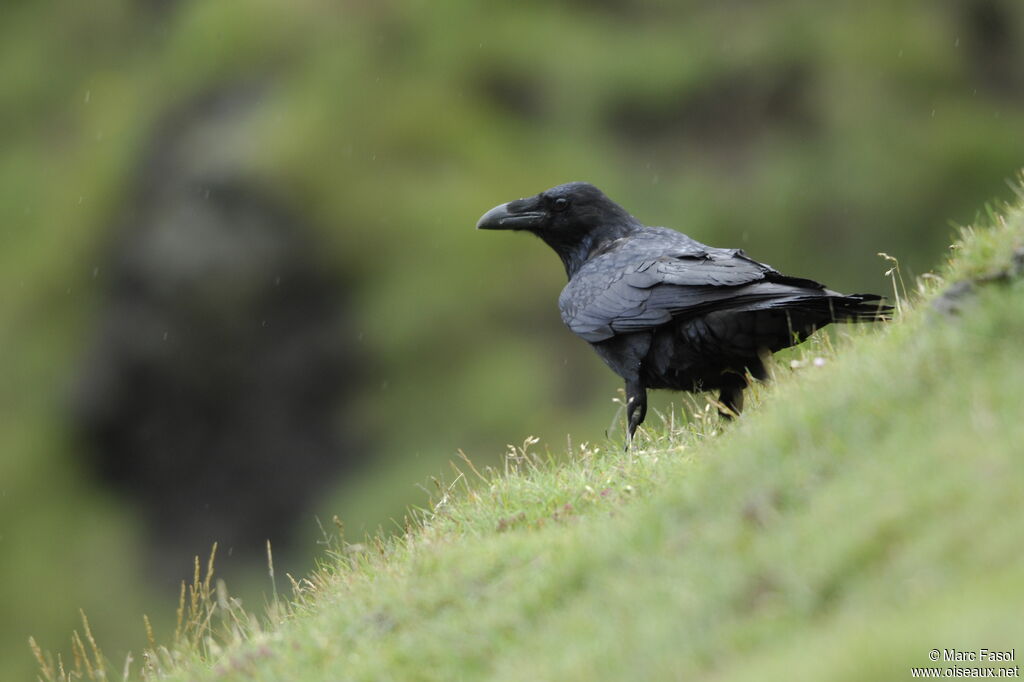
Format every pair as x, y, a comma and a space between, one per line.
811, 134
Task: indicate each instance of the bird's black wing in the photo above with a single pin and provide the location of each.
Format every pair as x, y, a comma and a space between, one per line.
626, 291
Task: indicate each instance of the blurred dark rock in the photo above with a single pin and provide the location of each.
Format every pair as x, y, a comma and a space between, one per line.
993, 46
962, 294
214, 394
724, 115
514, 92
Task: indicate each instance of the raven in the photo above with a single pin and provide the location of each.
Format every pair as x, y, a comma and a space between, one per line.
662, 309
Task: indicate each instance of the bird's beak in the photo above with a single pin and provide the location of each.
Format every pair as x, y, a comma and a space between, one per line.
503, 218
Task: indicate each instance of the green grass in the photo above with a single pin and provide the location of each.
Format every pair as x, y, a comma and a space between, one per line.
864, 510
390, 127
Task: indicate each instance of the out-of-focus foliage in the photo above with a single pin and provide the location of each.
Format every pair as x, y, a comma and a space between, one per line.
811, 134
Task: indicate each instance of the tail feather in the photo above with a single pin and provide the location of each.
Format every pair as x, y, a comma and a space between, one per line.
818, 308
860, 308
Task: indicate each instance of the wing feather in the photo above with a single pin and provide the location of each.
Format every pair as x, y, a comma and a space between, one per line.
609, 296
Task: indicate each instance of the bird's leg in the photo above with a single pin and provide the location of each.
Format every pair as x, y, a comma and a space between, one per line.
731, 395
636, 408
759, 368
732, 399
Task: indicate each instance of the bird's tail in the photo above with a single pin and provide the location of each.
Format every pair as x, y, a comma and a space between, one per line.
859, 308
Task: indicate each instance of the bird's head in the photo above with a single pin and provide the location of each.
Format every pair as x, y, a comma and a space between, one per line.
572, 219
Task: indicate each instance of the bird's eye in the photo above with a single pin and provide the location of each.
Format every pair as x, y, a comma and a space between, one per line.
561, 203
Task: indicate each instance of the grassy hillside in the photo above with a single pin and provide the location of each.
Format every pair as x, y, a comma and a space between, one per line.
865, 510
810, 134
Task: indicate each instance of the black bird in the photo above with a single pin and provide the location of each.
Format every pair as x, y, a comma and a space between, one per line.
665, 311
